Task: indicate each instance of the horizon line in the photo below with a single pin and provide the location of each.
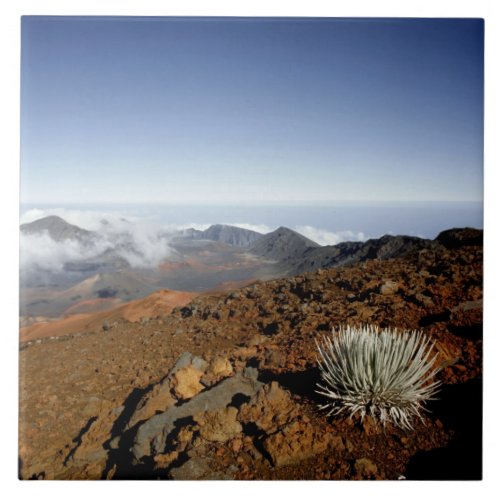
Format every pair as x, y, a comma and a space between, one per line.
239, 202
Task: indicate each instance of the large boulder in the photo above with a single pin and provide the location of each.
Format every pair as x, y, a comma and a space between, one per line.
158, 399
152, 435
182, 382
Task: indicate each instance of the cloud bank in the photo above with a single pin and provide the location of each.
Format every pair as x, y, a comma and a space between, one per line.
259, 228
141, 242
323, 237
41, 252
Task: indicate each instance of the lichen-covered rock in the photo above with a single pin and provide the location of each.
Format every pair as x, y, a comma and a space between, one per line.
365, 469
218, 369
164, 460
389, 288
185, 383
219, 425
269, 409
159, 399
299, 441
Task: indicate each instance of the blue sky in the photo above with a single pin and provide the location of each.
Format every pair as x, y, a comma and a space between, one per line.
228, 110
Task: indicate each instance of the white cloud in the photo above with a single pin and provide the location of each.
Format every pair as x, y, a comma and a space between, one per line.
141, 242
324, 237
260, 228
40, 251
172, 228
86, 219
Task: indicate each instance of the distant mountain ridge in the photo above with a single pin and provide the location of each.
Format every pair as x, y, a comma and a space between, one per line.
283, 245
57, 228
297, 254
100, 273
351, 252
222, 233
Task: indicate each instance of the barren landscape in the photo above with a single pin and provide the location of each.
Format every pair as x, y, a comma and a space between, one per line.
251, 248
223, 385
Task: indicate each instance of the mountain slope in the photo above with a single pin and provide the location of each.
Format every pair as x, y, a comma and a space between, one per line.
386, 247
230, 235
57, 228
125, 285
283, 245
159, 303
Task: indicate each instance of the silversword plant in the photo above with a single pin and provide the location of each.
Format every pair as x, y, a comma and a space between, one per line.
386, 374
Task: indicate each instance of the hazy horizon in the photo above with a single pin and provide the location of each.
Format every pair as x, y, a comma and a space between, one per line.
326, 224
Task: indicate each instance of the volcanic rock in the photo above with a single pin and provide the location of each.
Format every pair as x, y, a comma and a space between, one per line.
389, 288
152, 435
218, 369
365, 469
158, 399
299, 441
186, 382
183, 380
269, 409
219, 425
72, 411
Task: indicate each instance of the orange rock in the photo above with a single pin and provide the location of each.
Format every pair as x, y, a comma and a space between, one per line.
186, 382
219, 425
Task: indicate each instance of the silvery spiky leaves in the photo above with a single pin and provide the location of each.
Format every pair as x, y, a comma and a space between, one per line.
386, 374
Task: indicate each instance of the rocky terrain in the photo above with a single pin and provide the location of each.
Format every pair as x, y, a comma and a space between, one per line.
223, 387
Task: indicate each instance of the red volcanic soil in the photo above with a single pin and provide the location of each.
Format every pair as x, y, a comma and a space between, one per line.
156, 304
173, 266
93, 306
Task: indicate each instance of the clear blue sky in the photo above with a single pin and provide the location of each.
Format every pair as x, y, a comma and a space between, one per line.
262, 110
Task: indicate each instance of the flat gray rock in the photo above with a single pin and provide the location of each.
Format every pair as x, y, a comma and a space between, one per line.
152, 435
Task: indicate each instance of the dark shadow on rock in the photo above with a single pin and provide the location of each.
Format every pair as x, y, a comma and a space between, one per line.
179, 424
78, 439
239, 399
258, 436
183, 457
434, 318
253, 362
469, 332
121, 458
460, 410
129, 407
271, 329
303, 383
